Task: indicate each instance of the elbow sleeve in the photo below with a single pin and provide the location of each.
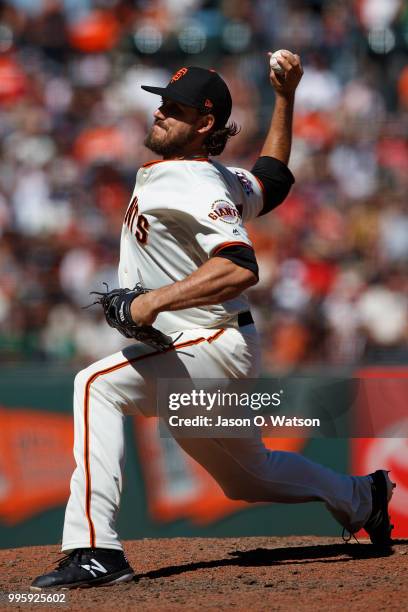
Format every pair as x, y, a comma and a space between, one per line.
276, 180
241, 256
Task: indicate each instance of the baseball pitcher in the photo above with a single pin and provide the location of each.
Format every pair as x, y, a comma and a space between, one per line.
185, 263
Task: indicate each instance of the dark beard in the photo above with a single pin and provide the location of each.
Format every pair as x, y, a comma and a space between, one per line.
172, 148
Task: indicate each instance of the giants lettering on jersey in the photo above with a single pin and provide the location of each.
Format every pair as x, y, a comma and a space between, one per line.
224, 211
141, 224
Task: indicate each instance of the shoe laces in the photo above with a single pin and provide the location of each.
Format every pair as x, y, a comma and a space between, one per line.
347, 536
67, 559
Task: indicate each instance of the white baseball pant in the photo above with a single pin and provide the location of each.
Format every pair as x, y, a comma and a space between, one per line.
124, 383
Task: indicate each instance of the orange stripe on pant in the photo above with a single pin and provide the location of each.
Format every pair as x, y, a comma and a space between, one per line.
86, 416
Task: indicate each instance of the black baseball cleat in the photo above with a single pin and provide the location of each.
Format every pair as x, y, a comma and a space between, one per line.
86, 567
378, 525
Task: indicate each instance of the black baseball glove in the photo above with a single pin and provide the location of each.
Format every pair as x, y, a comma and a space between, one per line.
116, 306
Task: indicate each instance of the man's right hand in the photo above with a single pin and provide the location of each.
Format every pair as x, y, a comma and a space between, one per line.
285, 83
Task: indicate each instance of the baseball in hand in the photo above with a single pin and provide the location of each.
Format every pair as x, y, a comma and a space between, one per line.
274, 63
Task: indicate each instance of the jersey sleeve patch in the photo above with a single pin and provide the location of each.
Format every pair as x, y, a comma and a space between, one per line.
247, 191
246, 183
224, 211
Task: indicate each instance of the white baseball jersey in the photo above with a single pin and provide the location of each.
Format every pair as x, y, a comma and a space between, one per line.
181, 213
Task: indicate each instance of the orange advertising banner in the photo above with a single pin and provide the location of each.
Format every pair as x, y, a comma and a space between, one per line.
36, 462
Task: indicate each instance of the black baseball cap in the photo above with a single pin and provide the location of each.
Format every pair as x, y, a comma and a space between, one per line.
198, 87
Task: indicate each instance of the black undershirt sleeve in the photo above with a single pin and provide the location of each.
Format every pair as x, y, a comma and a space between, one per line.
241, 255
276, 179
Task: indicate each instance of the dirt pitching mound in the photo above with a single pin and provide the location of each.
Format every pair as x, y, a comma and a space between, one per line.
305, 573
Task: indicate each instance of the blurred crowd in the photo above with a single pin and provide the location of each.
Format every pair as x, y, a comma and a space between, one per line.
333, 258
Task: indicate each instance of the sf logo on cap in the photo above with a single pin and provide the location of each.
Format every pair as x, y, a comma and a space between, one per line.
177, 75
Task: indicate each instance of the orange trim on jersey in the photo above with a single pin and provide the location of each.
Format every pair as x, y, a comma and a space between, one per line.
161, 161
262, 186
181, 345
87, 467
215, 336
224, 245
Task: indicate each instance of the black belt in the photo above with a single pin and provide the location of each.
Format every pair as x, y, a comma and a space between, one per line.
244, 318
